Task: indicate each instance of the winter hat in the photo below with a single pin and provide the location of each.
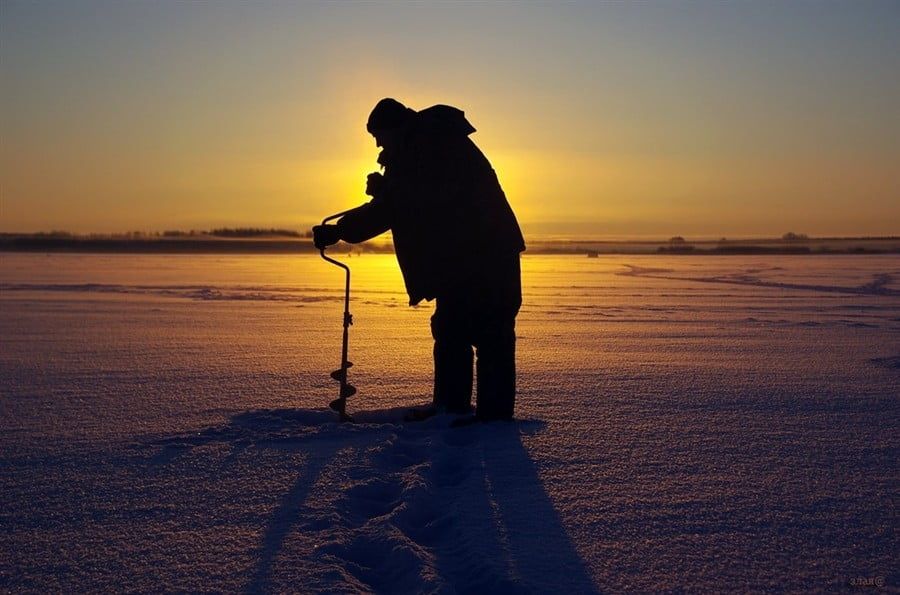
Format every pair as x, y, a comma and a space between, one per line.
388, 113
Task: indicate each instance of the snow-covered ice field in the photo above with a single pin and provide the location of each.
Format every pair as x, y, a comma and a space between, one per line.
699, 423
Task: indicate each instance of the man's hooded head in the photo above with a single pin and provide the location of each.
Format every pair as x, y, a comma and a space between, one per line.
390, 121
389, 114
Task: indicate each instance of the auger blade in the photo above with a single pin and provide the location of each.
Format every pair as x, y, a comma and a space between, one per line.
340, 373
340, 405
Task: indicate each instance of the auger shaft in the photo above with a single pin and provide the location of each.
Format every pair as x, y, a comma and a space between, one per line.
347, 390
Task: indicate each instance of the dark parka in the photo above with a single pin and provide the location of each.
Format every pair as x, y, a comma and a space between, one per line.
452, 225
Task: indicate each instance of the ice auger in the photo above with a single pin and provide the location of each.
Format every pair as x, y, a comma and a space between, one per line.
347, 389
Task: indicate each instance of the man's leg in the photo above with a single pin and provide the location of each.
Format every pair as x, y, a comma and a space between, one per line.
496, 341
496, 394
452, 356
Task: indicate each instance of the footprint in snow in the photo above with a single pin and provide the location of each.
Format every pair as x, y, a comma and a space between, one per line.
372, 499
427, 528
399, 452
380, 562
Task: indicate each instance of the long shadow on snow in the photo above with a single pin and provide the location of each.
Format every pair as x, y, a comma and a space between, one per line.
523, 536
521, 544
284, 519
288, 429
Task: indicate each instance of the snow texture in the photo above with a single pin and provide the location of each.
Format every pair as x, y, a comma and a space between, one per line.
684, 423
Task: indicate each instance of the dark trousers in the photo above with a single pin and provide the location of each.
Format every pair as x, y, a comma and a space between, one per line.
481, 313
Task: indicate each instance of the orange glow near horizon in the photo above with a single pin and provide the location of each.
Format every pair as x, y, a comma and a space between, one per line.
625, 123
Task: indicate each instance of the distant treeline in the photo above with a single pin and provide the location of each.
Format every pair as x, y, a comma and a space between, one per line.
244, 232
221, 232
789, 243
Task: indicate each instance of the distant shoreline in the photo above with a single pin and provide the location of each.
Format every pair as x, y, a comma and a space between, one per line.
211, 245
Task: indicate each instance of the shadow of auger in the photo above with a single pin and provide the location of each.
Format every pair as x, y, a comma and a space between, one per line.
286, 517
524, 544
285, 427
282, 427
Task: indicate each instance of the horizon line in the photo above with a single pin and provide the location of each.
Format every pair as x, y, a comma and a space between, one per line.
262, 233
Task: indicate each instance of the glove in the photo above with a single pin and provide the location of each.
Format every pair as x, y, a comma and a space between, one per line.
325, 235
374, 183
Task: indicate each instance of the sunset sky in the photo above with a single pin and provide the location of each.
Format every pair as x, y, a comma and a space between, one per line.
701, 119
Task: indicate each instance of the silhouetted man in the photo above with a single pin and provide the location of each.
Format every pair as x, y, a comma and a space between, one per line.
457, 241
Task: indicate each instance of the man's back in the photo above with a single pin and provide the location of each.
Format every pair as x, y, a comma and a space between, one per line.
443, 202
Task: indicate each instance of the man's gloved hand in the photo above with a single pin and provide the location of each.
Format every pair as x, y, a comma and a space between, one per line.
374, 183
325, 235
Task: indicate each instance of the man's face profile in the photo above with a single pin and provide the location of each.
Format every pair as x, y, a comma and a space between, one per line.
385, 137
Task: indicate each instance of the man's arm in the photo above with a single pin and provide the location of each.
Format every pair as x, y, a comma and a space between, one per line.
360, 224
365, 222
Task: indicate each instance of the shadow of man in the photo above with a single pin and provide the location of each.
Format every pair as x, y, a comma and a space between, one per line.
468, 503
499, 529
541, 553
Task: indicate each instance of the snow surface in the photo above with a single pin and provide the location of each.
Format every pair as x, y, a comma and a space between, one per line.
685, 423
